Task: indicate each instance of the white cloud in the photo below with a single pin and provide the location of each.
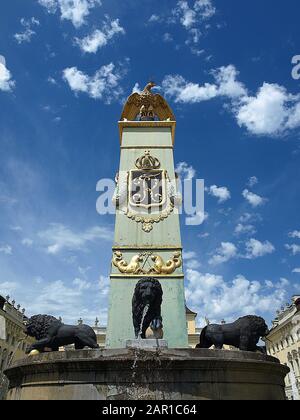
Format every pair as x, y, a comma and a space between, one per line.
6, 82
193, 264
197, 219
185, 171
70, 300
294, 118
186, 92
221, 193
99, 38
167, 37
253, 199
136, 88
255, 249
295, 234
187, 16
27, 242
273, 111
8, 288
242, 229
28, 32
104, 285
195, 35
50, 5
58, 299
188, 255
103, 85
51, 80
16, 228
154, 18
267, 112
250, 218
205, 8
74, 10
59, 238
204, 235
191, 16
218, 299
294, 248
226, 252
6, 249
296, 270
252, 181
191, 260
81, 284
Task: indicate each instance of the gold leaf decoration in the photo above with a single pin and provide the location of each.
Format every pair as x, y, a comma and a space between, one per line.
137, 262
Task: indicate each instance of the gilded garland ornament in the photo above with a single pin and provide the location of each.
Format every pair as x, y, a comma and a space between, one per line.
148, 222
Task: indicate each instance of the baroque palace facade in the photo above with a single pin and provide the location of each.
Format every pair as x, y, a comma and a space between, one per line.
283, 342
12, 345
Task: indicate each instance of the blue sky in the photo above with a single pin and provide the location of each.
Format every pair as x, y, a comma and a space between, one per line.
67, 66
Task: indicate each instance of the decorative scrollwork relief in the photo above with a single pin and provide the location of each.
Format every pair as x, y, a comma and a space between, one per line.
133, 267
137, 263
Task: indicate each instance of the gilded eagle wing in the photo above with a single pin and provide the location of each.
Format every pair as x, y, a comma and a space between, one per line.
131, 108
162, 109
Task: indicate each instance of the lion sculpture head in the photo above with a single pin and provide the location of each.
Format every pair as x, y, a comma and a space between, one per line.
255, 324
38, 326
147, 294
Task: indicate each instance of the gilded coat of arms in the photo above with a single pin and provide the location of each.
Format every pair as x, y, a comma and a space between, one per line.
149, 194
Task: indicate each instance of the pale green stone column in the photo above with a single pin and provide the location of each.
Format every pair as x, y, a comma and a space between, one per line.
163, 240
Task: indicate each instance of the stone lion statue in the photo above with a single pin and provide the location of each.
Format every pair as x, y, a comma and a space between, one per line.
51, 333
243, 334
146, 303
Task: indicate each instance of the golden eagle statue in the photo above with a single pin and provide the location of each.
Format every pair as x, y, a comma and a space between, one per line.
147, 106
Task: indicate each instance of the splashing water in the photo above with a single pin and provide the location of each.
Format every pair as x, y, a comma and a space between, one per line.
137, 350
145, 311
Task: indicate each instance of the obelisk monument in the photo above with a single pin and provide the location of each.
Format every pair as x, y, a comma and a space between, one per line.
147, 239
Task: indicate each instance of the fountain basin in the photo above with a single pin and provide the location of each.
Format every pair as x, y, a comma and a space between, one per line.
162, 374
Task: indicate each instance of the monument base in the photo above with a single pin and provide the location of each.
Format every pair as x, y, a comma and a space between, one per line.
161, 374
148, 343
